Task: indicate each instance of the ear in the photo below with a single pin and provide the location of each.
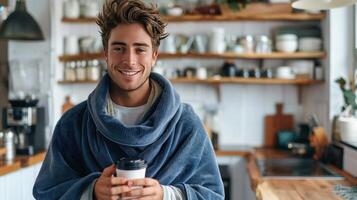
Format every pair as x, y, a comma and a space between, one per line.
105, 52
154, 56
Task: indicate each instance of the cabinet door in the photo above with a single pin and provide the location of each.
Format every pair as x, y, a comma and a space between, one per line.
18, 185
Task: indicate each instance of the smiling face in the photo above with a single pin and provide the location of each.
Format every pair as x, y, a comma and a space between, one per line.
130, 56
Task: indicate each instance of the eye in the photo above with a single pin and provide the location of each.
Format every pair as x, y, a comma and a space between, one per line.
140, 50
119, 49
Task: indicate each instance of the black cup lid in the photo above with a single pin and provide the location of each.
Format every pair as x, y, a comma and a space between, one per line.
131, 164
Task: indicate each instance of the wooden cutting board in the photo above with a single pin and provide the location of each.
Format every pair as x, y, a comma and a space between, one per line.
275, 123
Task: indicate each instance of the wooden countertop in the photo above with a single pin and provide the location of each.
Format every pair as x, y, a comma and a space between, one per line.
6, 168
275, 189
243, 151
20, 162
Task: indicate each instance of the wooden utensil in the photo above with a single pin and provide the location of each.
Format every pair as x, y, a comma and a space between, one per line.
275, 123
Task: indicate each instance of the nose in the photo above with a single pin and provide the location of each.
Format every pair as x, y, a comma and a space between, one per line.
130, 58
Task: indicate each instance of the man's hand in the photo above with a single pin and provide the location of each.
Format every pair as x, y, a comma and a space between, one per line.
110, 187
146, 189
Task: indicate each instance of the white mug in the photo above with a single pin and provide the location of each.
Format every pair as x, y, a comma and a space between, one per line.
71, 46
201, 73
217, 43
169, 45
71, 9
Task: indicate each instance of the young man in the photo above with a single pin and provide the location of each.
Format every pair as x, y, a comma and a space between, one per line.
131, 113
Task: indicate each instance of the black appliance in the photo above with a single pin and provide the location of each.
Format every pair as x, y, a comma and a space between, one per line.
28, 122
226, 178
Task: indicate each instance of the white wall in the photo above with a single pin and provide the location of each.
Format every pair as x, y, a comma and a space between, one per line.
242, 107
341, 54
39, 50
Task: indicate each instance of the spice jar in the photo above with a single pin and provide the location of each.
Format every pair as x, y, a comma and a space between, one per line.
81, 73
70, 71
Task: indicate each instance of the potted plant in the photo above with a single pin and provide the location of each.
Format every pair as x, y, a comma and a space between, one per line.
347, 121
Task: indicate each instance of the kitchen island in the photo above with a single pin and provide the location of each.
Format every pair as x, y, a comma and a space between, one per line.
297, 189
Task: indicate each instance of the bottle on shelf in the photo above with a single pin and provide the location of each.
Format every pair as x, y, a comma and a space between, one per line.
70, 71
67, 104
81, 70
93, 70
318, 71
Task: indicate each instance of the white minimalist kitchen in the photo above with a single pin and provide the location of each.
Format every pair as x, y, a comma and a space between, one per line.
272, 82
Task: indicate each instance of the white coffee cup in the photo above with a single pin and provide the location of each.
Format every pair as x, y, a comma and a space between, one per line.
131, 168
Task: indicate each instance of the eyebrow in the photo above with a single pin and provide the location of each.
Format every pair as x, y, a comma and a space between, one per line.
135, 44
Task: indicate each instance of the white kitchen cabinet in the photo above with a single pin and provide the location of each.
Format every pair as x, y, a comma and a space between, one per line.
240, 182
18, 185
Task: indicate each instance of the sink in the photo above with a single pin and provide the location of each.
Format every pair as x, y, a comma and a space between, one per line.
295, 168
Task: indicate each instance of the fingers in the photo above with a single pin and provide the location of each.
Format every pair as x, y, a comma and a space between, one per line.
145, 182
110, 187
118, 181
113, 191
143, 191
109, 171
146, 188
119, 190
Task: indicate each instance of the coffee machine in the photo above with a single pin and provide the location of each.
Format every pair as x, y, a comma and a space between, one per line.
28, 123
23, 116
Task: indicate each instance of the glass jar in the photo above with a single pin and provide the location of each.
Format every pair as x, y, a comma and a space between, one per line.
70, 71
263, 44
93, 70
247, 43
81, 73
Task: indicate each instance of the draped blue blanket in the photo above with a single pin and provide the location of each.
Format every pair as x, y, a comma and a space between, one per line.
170, 138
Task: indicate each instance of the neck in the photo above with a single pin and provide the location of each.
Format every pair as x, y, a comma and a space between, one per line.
134, 98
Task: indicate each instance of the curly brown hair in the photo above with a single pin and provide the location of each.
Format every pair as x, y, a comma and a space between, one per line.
117, 12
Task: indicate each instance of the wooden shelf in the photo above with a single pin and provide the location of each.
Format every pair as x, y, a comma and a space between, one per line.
246, 81
258, 17
224, 81
202, 18
273, 55
77, 82
86, 56
79, 20
252, 12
